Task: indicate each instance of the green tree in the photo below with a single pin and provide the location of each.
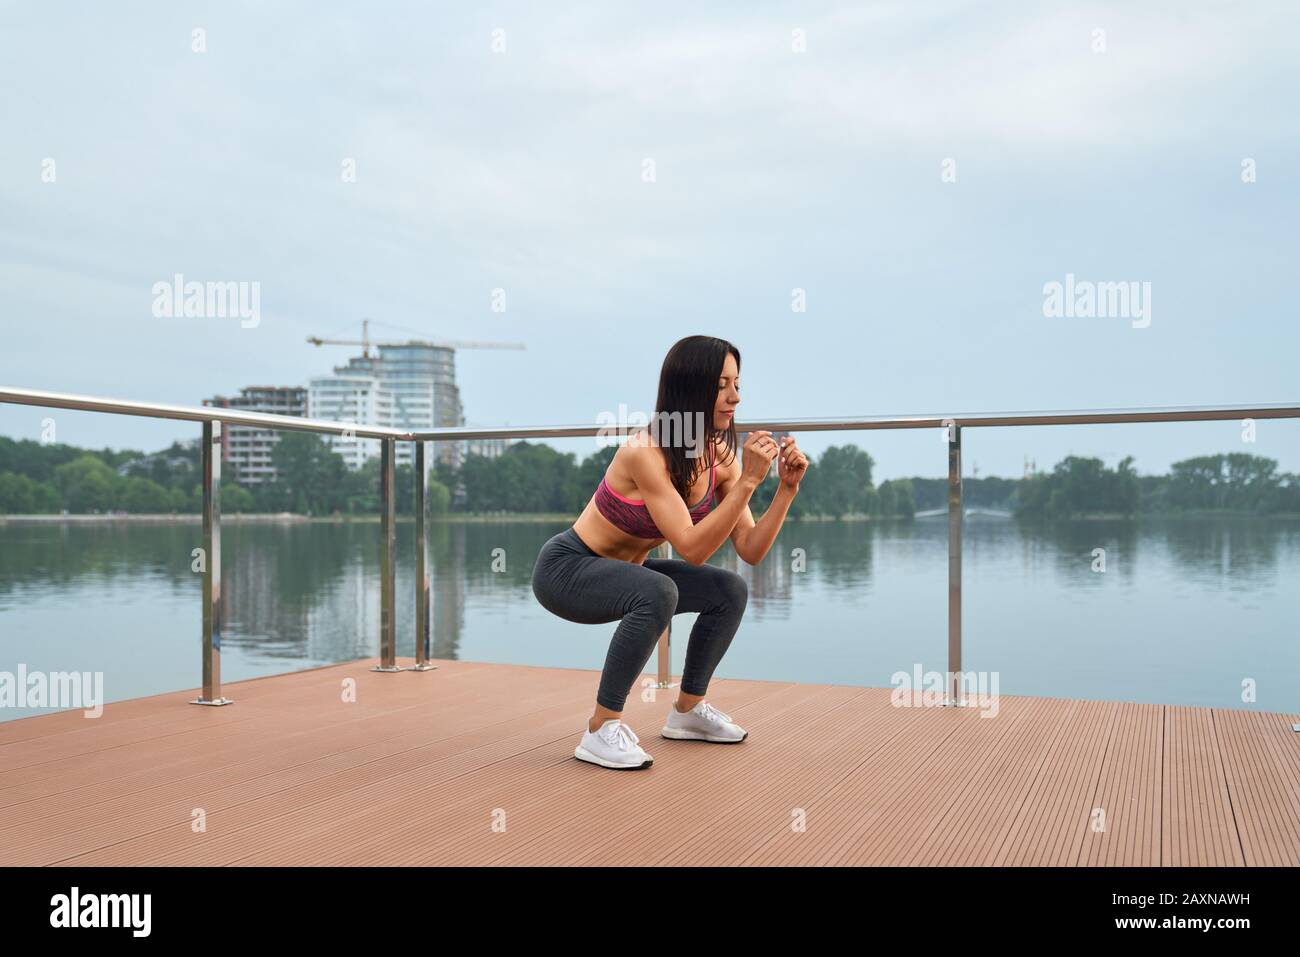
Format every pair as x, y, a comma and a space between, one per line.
235, 499
143, 496
36, 460
897, 498
887, 500
527, 477
1125, 491
86, 484
437, 498
1237, 481
17, 494
840, 482
310, 474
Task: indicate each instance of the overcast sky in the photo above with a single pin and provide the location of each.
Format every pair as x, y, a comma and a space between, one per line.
1113, 156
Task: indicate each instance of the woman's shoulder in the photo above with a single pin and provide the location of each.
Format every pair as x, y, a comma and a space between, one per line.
638, 446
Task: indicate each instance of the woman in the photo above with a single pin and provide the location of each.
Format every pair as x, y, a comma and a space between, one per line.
597, 571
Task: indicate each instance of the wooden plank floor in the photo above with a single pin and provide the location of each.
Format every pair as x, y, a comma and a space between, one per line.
473, 764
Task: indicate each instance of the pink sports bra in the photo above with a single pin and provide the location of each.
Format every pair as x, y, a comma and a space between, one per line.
634, 517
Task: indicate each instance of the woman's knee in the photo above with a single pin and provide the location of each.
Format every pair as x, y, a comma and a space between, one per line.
660, 598
733, 589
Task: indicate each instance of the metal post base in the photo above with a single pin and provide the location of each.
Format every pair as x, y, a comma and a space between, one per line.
423, 667
665, 684
393, 669
959, 703
216, 704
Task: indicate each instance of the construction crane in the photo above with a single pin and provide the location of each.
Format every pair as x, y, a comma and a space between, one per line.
366, 343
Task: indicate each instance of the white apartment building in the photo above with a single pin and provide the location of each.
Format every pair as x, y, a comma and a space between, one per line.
411, 386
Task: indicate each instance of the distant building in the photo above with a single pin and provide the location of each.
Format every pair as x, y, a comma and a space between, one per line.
180, 456
246, 451
355, 394
410, 386
421, 380
488, 448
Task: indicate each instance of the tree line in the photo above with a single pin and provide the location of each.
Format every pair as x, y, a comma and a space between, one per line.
312, 479
1227, 482
39, 478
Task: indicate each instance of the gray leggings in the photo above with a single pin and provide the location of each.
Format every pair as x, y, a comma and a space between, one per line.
572, 581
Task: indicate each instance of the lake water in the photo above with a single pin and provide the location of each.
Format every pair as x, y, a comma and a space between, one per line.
1185, 612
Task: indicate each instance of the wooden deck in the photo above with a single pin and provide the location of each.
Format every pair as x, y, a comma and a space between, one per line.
473, 764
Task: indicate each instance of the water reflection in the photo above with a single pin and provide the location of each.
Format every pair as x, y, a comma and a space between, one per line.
829, 597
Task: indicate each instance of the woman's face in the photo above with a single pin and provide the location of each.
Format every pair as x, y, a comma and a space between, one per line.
728, 394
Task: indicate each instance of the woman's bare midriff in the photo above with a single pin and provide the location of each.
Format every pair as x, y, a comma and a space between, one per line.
605, 539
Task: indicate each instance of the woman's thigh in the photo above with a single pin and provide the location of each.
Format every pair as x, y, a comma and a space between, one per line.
593, 589
700, 587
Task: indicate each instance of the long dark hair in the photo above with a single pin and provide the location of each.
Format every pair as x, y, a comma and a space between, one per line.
688, 393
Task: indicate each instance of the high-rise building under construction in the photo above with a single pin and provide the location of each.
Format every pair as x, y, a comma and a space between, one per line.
246, 451
410, 386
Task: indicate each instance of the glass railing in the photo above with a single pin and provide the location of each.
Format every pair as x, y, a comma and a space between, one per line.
214, 420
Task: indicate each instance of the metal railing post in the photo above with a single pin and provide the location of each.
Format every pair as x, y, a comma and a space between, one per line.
665, 657
387, 558
210, 458
952, 696
421, 575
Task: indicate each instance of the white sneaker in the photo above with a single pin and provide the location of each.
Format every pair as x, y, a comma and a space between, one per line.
613, 745
703, 723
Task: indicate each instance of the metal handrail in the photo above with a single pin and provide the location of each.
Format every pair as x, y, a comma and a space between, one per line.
266, 420
974, 419
214, 419
292, 423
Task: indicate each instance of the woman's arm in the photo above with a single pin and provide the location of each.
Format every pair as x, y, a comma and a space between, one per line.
695, 543
753, 540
